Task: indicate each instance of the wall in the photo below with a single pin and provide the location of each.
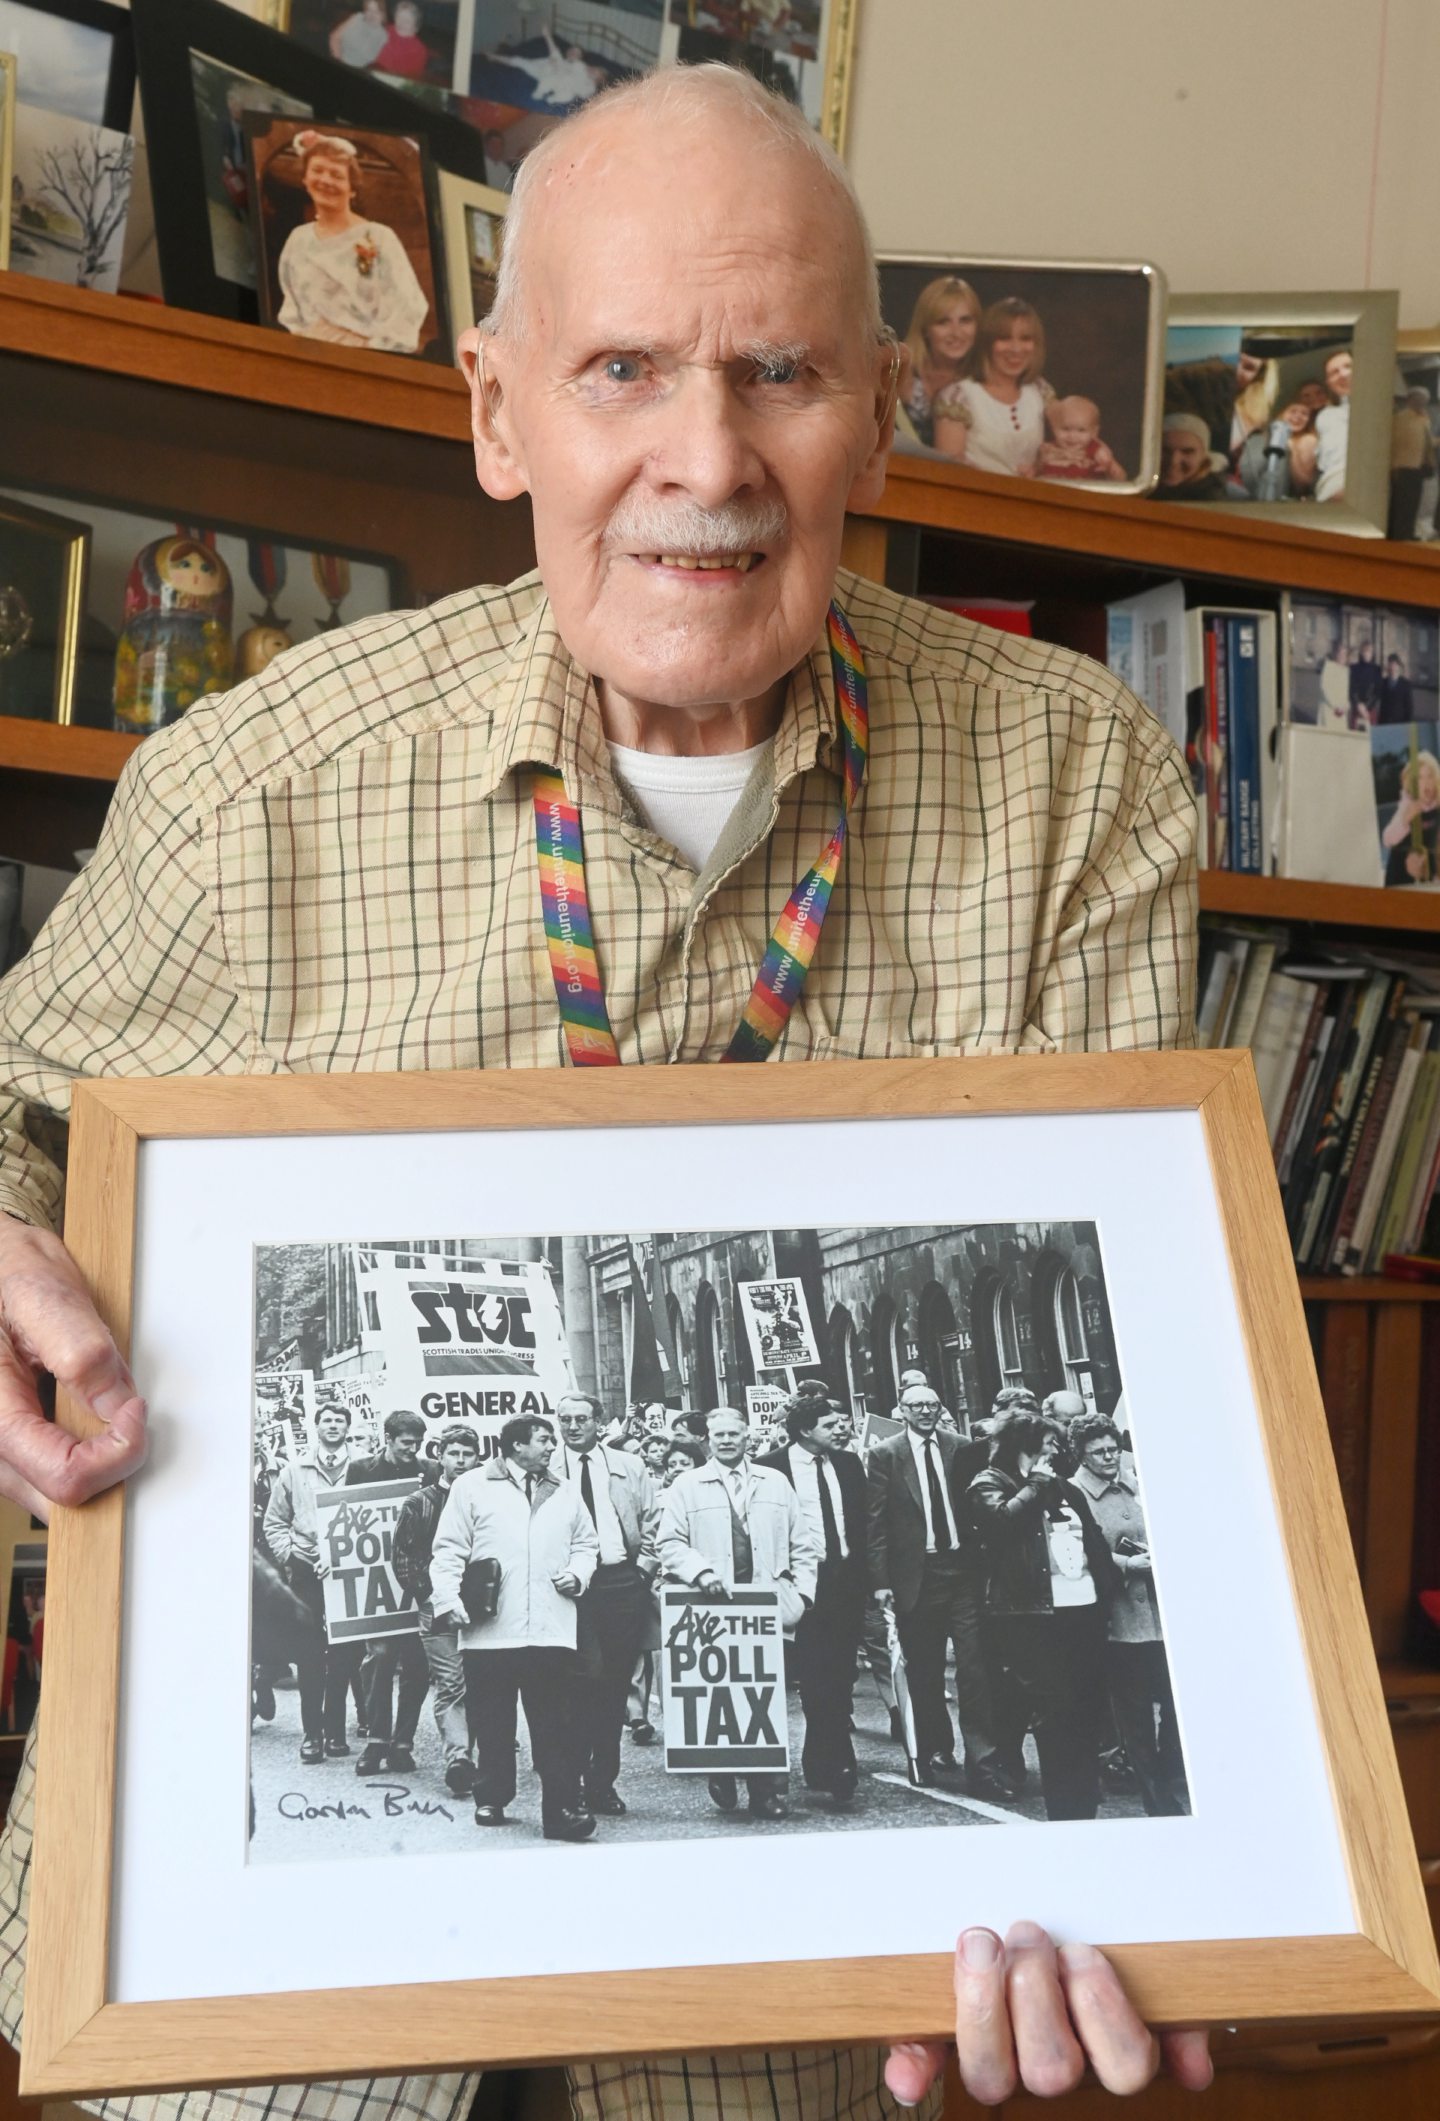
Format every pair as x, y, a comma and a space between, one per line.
1238, 144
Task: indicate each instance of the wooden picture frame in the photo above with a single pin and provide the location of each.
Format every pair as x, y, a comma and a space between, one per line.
44, 564
1381, 1965
459, 200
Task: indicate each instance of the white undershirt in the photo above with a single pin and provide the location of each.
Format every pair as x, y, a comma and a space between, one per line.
686, 801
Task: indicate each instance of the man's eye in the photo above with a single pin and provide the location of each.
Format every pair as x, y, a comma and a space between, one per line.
777, 372
622, 368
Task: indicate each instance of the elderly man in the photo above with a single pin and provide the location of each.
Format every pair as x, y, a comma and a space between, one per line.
514, 1512
731, 1522
336, 866
925, 1563
614, 1613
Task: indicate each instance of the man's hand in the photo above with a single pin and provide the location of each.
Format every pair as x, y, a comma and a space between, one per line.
449, 1616
567, 1585
1028, 2015
885, 1600
47, 1322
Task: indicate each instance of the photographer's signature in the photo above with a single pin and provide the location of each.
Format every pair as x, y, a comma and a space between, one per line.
394, 1797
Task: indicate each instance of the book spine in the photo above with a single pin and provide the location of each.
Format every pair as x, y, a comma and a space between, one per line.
1217, 726
1369, 1120
1299, 1074
1244, 695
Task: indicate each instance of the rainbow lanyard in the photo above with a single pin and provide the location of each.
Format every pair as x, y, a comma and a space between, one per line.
561, 852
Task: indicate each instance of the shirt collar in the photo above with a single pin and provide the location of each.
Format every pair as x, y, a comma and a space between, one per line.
1095, 1484
545, 714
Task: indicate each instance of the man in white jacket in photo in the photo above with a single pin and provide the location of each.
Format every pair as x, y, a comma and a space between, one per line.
512, 1511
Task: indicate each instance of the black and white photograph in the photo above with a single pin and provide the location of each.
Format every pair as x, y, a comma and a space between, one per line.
650, 1537
1026, 369
341, 219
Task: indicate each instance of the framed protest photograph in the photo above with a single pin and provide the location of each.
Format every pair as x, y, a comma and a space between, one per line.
43, 563
341, 220
1282, 406
472, 226
76, 58
1029, 369
205, 68
694, 1389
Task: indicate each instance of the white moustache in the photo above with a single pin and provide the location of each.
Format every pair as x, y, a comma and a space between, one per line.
657, 526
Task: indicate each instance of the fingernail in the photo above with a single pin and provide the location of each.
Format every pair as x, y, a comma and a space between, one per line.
1079, 1958
979, 1950
912, 2048
1026, 1936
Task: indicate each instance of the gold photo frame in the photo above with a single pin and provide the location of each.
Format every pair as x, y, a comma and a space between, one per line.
7, 151
868, 1121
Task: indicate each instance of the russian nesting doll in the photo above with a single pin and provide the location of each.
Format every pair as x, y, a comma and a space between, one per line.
175, 644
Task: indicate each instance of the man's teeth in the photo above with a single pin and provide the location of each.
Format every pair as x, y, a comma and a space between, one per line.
743, 561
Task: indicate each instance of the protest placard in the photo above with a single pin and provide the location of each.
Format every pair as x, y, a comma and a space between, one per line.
362, 1595
471, 1342
777, 1323
723, 1682
763, 1403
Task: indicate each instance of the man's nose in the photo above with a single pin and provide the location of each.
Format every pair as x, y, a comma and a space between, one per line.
707, 447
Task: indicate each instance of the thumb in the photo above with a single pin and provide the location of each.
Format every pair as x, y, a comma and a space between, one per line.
912, 2067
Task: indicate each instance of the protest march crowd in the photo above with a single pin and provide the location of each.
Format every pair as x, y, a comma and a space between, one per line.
1011, 1564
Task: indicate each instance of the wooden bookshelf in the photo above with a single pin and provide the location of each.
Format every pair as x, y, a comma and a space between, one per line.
123, 336
77, 754
1284, 898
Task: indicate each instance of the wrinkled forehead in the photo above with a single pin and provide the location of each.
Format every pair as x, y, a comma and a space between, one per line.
683, 240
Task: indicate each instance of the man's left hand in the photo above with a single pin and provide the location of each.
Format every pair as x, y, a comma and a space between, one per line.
567, 1585
1027, 2014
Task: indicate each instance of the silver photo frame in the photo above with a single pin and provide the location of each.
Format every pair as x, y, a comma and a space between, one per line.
1364, 323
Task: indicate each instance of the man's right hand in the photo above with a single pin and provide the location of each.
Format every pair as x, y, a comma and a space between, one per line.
47, 1322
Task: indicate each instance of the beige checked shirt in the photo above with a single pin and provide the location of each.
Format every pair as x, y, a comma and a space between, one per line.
333, 868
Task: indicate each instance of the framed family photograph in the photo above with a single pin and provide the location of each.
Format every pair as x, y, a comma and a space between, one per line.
1029, 369
1282, 405
472, 227
641, 1440
341, 220
43, 564
207, 71
76, 58
410, 41
1414, 428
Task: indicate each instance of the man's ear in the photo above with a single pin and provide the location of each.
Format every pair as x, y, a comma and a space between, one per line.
891, 362
497, 466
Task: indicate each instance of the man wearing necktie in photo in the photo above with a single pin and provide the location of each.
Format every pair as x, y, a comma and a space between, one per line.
829, 1484
733, 1521
614, 1612
925, 1564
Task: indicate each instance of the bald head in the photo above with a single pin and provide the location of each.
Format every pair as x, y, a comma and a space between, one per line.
669, 131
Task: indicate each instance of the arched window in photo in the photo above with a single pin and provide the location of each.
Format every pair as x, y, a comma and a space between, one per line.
842, 1368
938, 1332
709, 1350
679, 1341
1007, 1337
1071, 1335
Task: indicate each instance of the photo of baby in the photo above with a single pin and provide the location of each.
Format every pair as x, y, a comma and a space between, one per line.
1029, 371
